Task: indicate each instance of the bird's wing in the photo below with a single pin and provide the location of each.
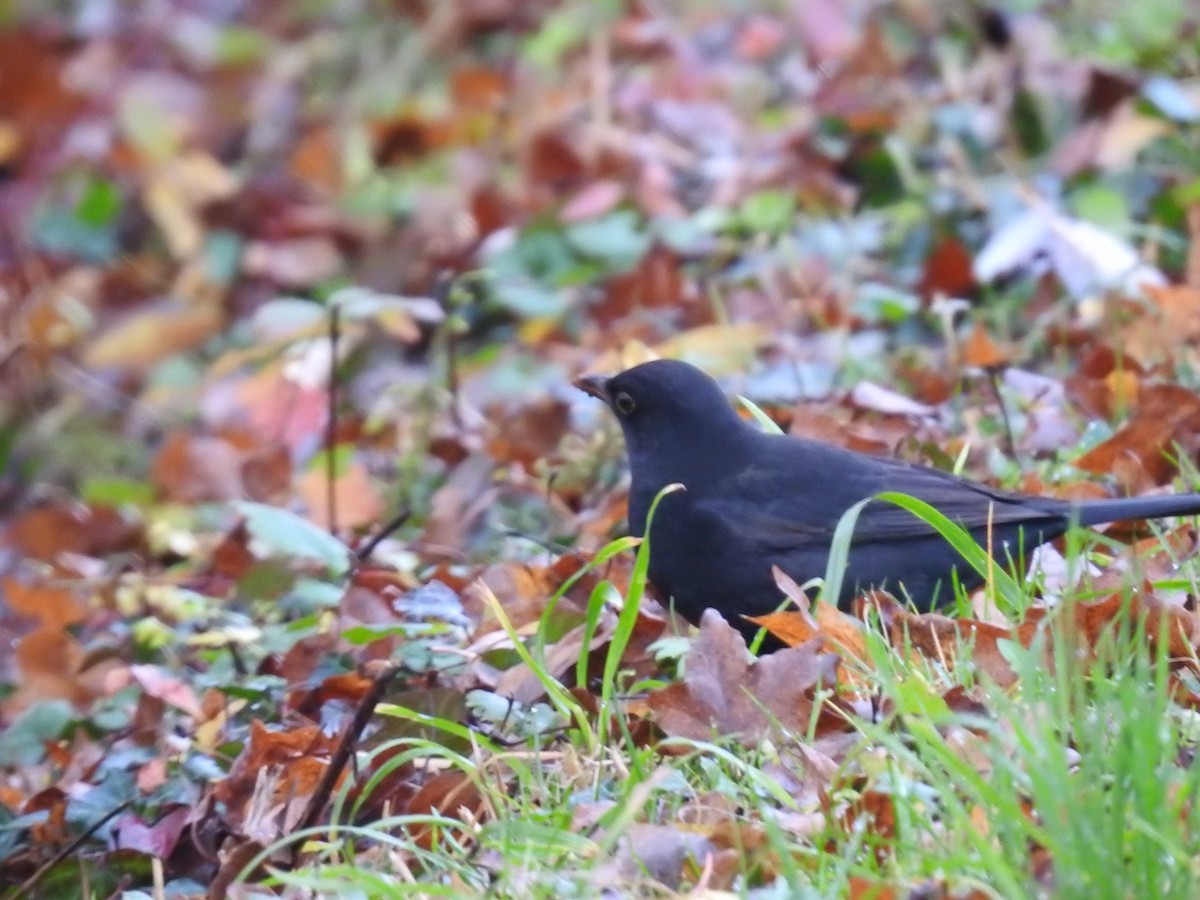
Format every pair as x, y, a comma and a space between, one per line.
802, 510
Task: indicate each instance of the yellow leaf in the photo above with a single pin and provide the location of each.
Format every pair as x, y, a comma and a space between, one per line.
147, 337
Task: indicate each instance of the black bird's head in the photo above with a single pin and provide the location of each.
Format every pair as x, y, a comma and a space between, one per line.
675, 417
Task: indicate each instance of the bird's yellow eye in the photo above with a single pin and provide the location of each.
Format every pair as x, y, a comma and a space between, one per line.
624, 403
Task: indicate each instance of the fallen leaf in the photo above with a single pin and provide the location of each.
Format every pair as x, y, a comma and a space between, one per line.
868, 395
947, 270
157, 682
48, 604
1165, 414
157, 839
295, 263
718, 349
942, 638
197, 469
153, 334
981, 352
356, 499
1085, 257
724, 692
594, 200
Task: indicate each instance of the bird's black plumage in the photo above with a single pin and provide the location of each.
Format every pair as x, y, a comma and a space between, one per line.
754, 500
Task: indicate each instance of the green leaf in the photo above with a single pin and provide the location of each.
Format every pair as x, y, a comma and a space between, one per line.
23, 742
529, 299
117, 492
343, 456
1007, 589
768, 212
958, 537
541, 252
560, 32
839, 553
286, 534
765, 422
618, 239
1101, 205
876, 302
914, 697
99, 205
365, 634
223, 256
61, 231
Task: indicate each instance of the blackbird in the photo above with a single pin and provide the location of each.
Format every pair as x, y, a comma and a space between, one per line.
753, 500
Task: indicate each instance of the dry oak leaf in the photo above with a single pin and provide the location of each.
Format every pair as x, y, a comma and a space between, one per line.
840, 633
1177, 625
153, 333
1165, 414
981, 350
940, 637
724, 691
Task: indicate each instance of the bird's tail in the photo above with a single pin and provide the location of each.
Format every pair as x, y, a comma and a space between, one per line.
1096, 512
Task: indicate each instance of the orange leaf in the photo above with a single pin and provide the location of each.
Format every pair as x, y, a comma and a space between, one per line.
980, 351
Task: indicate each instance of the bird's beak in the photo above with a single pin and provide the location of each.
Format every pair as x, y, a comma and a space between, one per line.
596, 385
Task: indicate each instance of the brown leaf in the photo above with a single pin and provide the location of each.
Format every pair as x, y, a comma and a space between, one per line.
1180, 626
273, 776
406, 138
840, 633
529, 434
790, 626
452, 793
982, 352
724, 692
153, 334
553, 161
296, 263
156, 682
49, 605
859, 888
940, 637
302, 658
594, 200
1126, 134
49, 660
458, 505
948, 270
34, 94
157, 839
656, 281
718, 349
47, 531
53, 829
53, 317
267, 473
659, 852
197, 469
1192, 269
1140, 451
279, 408
523, 686
355, 497
873, 397
872, 812
175, 192
316, 158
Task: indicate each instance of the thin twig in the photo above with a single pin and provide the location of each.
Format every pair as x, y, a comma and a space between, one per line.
994, 380
364, 551
31, 882
341, 756
331, 420
447, 297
